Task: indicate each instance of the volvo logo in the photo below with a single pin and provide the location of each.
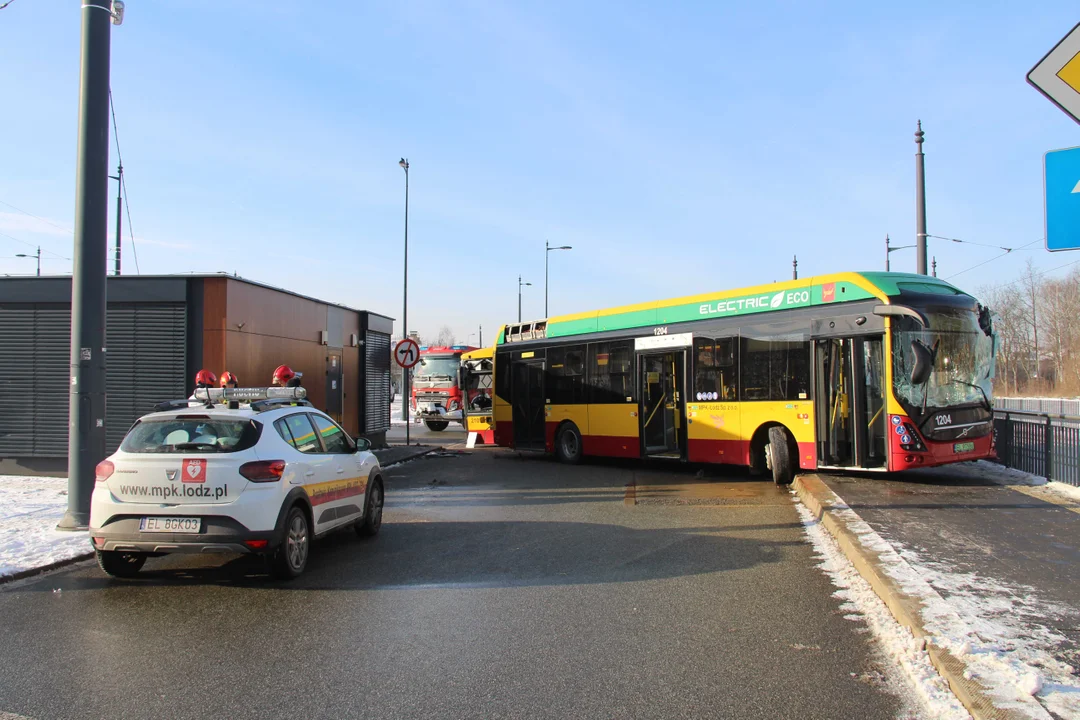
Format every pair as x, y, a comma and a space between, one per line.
171, 474
964, 432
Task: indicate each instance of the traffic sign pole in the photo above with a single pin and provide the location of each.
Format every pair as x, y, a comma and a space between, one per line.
406, 355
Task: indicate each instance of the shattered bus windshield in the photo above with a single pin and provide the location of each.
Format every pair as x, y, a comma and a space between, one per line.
963, 365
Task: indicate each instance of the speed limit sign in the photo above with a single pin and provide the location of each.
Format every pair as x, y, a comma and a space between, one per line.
407, 353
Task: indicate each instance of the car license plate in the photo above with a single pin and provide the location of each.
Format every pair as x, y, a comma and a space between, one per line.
170, 524
963, 447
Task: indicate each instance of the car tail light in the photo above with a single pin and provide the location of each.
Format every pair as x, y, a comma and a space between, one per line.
99, 541
256, 544
104, 471
263, 470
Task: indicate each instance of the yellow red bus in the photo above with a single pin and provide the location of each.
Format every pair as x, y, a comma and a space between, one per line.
477, 371
874, 371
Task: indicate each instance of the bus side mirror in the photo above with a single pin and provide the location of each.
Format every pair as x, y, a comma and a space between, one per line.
924, 361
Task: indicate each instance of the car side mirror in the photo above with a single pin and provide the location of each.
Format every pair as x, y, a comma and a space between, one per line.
362, 445
925, 357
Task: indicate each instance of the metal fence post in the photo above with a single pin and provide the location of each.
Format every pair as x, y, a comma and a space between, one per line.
1049, 448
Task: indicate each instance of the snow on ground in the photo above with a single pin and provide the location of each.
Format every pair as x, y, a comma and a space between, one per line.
862, 603
985, 470
395, 413
30, 508
996, 628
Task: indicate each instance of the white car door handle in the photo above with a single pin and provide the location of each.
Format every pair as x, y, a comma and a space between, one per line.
309, 473
340, 470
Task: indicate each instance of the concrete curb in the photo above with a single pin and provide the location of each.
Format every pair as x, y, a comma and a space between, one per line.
31, 572
824, 504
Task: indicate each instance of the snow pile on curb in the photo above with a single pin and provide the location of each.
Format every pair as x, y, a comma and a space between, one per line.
1013, 644
862, 603
988, 625
30, 508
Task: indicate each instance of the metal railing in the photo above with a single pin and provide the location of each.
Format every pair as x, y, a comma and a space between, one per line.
1053, 406
1043, 444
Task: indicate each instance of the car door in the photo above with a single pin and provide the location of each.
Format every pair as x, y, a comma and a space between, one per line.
320, 476
350, 482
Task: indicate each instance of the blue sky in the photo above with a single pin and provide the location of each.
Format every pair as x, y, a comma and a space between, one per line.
679, 147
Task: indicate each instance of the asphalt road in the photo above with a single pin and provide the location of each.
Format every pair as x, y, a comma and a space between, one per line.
419, 433
499, 587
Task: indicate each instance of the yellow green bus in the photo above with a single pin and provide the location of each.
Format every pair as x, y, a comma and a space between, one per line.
870, 370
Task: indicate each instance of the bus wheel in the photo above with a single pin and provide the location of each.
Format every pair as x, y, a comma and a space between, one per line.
778, 456
436, 425
568, 444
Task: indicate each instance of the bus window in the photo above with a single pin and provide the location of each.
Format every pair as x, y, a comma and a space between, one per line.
611, 376
716, 370
566, 375
775, 370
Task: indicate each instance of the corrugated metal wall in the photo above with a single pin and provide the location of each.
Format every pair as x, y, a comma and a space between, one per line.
35, 352
146, 362
377, 382
146, 343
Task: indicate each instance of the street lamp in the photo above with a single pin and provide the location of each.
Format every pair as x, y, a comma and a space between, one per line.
521, 285
547, 250
38, 256
890, 249
405, 374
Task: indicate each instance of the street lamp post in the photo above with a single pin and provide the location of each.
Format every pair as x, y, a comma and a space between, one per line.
521, 285
889, 249
406, 380
37, 255
547, 251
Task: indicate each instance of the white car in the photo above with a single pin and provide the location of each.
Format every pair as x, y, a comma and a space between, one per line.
261, 476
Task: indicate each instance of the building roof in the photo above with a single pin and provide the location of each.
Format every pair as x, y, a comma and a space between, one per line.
10, 293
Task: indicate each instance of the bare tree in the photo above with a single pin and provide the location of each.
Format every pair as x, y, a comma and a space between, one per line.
445, 337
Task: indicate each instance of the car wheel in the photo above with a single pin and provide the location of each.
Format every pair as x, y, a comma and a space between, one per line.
436, 425
291, 557
778, 456
373, 507
568, 444
120, 564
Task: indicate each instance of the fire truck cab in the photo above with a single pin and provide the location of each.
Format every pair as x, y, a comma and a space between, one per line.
436, 389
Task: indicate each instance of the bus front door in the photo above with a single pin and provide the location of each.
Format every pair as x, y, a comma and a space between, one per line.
851, 423
662, 428
527, 404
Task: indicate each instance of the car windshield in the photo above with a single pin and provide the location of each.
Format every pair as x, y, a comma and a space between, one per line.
187, 434
437, 366
963, 368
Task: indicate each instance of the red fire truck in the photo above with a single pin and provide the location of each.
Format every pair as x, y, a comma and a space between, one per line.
436, 394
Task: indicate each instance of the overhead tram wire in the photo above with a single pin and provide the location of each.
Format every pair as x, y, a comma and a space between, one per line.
996, 257
123, 183
38, 217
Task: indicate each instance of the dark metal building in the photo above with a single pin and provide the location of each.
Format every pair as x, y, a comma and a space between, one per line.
160, 331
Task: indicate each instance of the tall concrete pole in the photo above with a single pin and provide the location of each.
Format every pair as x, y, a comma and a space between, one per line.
86, 418
920, 202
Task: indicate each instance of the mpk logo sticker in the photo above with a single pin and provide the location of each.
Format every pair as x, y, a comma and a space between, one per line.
828, 292
194, 471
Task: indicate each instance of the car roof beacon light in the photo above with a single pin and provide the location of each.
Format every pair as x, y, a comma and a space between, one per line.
250, 394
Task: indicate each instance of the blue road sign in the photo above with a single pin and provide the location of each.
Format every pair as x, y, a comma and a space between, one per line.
1061, 187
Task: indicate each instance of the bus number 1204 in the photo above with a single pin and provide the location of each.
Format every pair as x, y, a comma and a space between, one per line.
660, 331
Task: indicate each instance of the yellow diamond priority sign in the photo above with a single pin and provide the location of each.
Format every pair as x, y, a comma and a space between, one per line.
1057, 76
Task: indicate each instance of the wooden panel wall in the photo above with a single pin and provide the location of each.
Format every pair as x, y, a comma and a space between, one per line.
249, 330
